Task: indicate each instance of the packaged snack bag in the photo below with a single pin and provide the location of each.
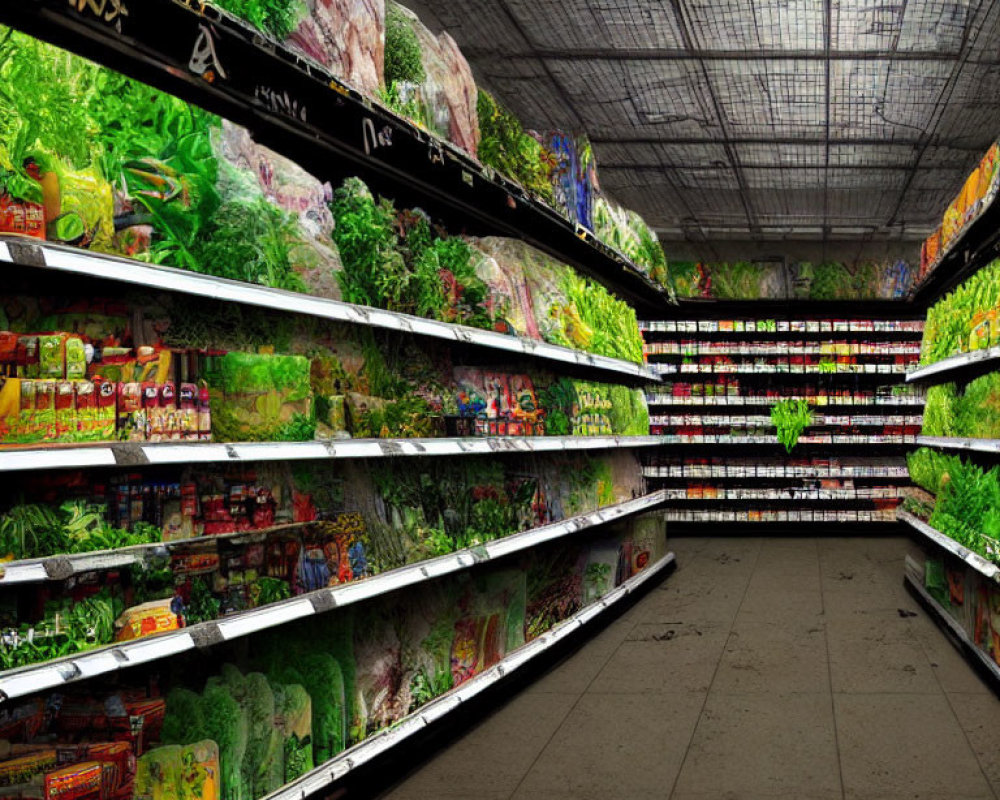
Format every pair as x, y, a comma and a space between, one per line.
44, 424
85, 401
131, 417
151, 409
187, 412
24, 768
52, 356
146, 619
107, 410
27, 357
65, 408
76, 358
77, 782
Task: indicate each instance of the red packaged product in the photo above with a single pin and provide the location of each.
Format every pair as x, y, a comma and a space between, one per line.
187, 411
151, 411
131, 418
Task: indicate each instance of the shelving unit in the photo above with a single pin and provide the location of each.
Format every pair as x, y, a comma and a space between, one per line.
26, 254
327, 135
967, 445
873, 414
116, 657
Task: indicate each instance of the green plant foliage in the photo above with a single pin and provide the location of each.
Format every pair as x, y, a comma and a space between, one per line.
940, 410
950, 321
927, 468
505, 147
791, 417
403, 60
279, 18
612, 323
737, 281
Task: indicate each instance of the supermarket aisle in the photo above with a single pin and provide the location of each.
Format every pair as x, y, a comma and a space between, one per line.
763, 668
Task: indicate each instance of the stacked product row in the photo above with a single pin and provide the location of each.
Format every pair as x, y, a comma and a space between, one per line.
753, 413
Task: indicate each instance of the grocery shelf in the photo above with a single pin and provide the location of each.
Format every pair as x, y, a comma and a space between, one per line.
733, 473
898, 349
805, 328
770, 516
954, 443
114, 657
43, 256
724, 401
754, 369
332, 130
969, 250
762, 421
136, 454
960, 368
320, 779
982, 565
767, 439
981, 658
795, 494
61, 567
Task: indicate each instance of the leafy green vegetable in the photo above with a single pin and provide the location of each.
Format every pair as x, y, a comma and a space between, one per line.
402, 48
791, 417
510, 151
279, 18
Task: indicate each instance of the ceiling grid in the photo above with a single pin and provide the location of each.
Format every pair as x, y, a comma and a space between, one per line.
754, 119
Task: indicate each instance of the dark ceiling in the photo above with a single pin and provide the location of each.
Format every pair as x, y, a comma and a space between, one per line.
755, 120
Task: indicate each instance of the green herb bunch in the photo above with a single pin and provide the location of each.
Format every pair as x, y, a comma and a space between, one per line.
791, 418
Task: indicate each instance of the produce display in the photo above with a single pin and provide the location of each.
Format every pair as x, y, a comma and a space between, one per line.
972, 413
103, 162
244, 537
662, 466
965, 320
428, 80
196, 370
966, 499
240, 725
746, 280
978, 192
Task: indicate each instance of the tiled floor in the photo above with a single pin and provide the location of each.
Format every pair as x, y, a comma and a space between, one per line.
762, 668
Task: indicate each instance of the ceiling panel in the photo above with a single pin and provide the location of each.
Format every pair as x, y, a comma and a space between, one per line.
718, 112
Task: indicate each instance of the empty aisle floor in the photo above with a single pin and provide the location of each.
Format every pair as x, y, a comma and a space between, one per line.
762, 668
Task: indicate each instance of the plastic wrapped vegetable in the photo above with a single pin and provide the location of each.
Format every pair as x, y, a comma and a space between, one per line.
264, 757
324, 681
294, 709
226, 725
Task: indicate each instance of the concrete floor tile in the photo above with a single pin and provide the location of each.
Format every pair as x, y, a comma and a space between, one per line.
489, 754
615, 747
663, 658
769, 602
977, 716
878, 653
764, 744
905, 745
694, 598
768, 657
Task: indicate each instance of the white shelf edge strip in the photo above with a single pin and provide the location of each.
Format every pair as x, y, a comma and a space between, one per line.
977, 562
957, 630
192, 283
35, 678
946, 365
955, 443
340, 765
161, 453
